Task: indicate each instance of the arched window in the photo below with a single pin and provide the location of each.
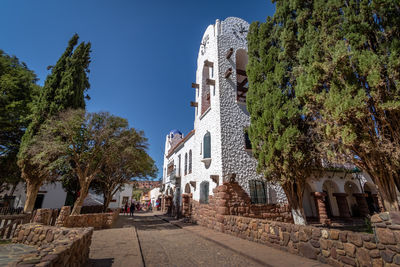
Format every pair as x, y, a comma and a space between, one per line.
190, 161
205, 86
204, 189
187, 189
241, 76
186, 158
207, 146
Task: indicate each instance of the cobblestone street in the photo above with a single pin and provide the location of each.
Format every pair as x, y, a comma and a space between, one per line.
150, 240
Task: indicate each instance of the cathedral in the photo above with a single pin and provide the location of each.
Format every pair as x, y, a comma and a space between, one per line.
218, 149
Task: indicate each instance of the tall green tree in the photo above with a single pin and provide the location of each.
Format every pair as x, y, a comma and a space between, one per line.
125, 158
282, 137
349, 82
64, 88
17, 90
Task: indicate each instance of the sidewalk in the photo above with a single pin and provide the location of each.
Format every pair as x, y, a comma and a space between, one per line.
116, 247
259, 253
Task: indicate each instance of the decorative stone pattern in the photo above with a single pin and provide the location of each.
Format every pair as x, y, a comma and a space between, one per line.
56, 246
95, 220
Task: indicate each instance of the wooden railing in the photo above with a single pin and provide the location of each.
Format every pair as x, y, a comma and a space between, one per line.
11, 211
8, 224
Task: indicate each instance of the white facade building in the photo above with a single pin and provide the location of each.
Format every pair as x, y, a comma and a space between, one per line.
218, 148
50, 196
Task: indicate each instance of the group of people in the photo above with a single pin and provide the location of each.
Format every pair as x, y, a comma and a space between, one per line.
132, 207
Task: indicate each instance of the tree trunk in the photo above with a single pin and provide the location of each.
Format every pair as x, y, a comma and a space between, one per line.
294, 193
107, 199
299, 216
387, 189
79, 201
32, 189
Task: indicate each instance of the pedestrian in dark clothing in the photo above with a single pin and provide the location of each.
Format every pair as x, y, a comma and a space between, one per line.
126, 208
132, 208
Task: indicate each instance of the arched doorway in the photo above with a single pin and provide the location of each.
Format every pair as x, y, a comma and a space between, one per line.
309, 203
329, 188
351, 188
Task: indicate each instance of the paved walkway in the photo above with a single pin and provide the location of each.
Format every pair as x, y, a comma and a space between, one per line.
116, 247
153, 241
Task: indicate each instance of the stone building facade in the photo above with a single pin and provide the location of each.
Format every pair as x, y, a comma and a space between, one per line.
218, 150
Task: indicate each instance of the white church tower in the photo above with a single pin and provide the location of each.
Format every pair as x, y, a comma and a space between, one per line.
218, 148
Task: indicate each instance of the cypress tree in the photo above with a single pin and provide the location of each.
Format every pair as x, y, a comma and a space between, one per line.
64, 88
280, 133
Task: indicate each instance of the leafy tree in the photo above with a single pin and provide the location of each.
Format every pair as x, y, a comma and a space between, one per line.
64, 88
342, 79
79, 140
137, 194
17, 89
280, 133
125, 158
349, 81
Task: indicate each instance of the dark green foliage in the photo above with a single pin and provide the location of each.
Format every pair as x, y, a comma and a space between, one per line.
349, 81
125, 158
324, 77
64, 88
280, 133
17, 89
92, 145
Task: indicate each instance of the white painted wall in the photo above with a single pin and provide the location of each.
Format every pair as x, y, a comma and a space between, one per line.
54, 195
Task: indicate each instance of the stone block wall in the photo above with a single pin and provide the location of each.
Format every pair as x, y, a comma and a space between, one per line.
186, 205
334, 247
166, 204
45, 216
231, 199
95, 220
239, 203
387, 230
56, 246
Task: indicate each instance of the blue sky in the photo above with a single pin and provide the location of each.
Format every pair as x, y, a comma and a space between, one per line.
144, 53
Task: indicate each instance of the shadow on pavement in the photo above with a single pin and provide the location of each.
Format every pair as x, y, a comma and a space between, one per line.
100, 262
143, 222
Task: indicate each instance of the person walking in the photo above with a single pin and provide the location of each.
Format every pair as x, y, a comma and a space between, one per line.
126, 208
132, 208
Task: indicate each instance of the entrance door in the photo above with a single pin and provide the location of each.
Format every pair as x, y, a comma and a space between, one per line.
39, 201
